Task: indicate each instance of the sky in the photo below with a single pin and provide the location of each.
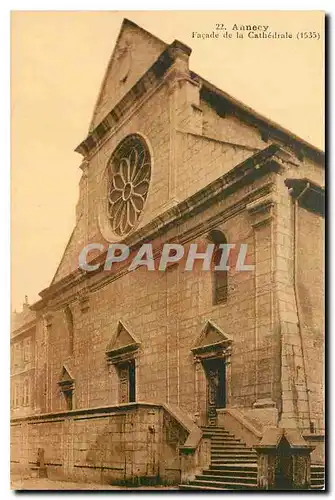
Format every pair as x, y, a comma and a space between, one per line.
58, 63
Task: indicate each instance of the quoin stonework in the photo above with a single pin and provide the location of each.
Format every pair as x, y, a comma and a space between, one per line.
193, 378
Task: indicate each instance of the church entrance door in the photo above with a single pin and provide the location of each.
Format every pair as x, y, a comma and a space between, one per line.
215, 370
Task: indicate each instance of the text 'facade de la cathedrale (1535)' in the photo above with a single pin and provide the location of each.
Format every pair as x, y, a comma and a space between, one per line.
199, 379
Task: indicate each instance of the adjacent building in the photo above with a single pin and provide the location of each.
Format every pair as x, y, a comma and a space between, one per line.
22, 344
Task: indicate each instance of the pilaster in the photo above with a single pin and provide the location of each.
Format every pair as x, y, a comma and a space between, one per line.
261, 213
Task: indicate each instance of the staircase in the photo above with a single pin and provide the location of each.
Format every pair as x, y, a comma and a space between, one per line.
233, 465
317, 477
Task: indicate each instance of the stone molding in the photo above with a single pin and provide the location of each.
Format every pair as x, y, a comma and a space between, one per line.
123, 350
308, 194
261, 209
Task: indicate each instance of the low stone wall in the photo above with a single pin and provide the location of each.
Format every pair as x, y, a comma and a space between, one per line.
133, 444
318, 441
239, 424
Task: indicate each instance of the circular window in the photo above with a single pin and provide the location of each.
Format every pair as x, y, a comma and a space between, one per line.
129, 173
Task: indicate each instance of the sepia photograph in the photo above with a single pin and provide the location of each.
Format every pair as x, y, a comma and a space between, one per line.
167, 250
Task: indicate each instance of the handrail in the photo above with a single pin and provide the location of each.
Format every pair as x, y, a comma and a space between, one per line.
194, 432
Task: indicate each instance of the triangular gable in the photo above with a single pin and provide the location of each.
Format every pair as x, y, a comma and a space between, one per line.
135, 51
66, 375
66, 378
122, 342
211, 336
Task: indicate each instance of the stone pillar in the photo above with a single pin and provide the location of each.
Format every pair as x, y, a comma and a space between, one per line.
197, 368
266, 345
266, 473
227, 357
194, 460
184, 111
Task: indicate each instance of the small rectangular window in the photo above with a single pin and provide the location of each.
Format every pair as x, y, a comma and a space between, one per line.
17, 395
27, 350
220, 276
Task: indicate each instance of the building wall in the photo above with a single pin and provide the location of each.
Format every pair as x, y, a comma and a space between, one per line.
173, 122
23, 373
299, 400
310, 286
230, 129
167, 311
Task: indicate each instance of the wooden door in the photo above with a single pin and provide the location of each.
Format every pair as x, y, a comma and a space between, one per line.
216, 387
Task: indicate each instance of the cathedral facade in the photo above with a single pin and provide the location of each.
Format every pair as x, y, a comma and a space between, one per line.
135, 370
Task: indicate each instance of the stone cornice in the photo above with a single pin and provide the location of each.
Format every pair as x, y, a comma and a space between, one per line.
254, 167
25, 328
260, 210
219, 141
98, 411
310, 196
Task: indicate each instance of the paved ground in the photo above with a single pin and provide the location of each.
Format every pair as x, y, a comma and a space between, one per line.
19, 483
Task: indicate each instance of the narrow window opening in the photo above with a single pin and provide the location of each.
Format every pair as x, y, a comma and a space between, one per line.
69, 323
68, 395
220, 278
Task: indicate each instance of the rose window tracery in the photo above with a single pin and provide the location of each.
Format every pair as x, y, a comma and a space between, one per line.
129, 177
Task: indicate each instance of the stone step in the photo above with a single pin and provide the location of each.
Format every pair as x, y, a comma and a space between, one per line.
232, 449
222, 485
247, 472
241, 461
232, 456
236, 468
197, 487
225, 439
227, 479
217, 433
213, 428
320, 486
229, 444
223, 436
228, 441
242, 452
317, 477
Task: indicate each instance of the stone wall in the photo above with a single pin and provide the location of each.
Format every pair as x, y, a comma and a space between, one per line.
167, 311
311, 252
131, 444
300, 312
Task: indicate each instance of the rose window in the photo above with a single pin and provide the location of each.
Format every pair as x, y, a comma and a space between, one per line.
129, 177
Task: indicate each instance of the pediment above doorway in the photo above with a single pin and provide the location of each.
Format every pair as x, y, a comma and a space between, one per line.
123, 345
212, 340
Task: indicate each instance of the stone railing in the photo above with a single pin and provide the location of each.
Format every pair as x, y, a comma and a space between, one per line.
242, 426
195, 452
